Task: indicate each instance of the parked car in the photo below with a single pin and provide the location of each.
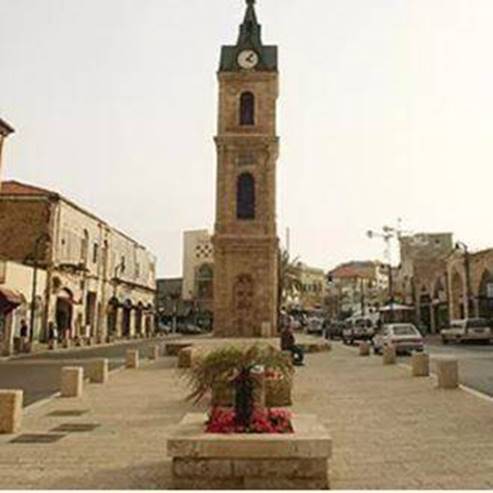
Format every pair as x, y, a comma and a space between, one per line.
190, 329
315, 326
469, 329
358, 329
163, 328
335, 330
405, 337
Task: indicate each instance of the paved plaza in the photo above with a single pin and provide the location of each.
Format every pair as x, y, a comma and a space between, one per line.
389, 430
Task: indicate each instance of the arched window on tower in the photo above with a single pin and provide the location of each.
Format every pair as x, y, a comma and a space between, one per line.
247, 108
245, 197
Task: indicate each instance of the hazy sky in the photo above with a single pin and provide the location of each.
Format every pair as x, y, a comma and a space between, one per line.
386, 111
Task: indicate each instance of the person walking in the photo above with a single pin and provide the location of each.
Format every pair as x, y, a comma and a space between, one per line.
24, 333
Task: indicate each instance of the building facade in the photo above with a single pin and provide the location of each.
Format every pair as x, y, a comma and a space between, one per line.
245, 238
99, 282
422, 277
358, 287
470, 284
311, 288
18, 291
5, 131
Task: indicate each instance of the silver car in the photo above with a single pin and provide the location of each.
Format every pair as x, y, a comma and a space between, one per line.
470, 329
405, 337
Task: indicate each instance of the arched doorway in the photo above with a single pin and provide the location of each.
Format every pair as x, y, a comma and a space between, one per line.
425, 309
64, 313
112, 316
243, 302
440, 305
485, 295
458, 310
127, 314
138, 318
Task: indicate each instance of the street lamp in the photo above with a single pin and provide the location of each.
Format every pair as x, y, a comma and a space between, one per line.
467, 267
387, 235
42, 237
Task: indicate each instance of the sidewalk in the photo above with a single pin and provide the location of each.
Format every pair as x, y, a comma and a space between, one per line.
389, 430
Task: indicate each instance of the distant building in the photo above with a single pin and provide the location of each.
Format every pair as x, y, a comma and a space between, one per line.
198, 270
422, 277
5, 131
358, 287
99, 281
169, 299
312, 283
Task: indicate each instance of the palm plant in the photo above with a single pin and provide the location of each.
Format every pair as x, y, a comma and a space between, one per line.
237, 367
289, 281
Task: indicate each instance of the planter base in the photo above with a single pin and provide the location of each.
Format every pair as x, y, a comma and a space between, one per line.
298, 460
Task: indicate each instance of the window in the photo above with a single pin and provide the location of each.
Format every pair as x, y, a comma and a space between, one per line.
245, 197
95, 252
247, 109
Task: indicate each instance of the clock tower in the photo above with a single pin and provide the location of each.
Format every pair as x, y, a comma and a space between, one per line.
245, 239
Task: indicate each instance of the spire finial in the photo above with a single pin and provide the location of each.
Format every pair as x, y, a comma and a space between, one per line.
250, 2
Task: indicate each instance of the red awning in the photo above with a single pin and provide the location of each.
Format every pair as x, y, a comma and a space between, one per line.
10, 299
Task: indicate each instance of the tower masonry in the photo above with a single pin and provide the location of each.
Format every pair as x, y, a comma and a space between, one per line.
245, 238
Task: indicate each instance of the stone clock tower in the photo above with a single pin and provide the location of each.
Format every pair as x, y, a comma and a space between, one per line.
245, 239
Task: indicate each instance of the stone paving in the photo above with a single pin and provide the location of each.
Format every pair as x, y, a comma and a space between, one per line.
389, 430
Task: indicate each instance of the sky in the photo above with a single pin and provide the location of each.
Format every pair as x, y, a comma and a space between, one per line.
385, 112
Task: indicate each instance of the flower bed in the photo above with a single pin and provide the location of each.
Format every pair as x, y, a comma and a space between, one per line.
223, 420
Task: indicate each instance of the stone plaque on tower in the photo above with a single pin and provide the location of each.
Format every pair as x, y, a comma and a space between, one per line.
245, 238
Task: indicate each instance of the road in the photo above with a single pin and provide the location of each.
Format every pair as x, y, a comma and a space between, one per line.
39, 375
475, 362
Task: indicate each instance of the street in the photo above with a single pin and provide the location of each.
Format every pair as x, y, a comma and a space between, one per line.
475, 362
39, 375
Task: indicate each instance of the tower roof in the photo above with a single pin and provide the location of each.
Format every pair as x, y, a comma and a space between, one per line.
250, 37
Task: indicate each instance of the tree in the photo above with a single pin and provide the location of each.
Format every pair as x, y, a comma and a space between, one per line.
289, 281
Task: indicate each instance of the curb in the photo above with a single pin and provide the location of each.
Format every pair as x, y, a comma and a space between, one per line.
35, 405
463, 387
75, 348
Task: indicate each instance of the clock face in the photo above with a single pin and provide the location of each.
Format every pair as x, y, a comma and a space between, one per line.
247, 59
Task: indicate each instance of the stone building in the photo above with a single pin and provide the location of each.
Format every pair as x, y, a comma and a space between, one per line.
5, 131
198, 270
16, 297
422, 277
99, 281
470, 277
246, 246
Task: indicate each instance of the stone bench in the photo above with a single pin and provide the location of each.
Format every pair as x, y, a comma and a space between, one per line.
447, 370
10, 411
72, 378
132, 359
420, 365
298, 460
98, 371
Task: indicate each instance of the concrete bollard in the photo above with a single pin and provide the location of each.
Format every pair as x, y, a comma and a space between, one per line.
447, 373
421, 365
186, 357
10, 411
389, 355
98, 371
364, 349
132, 359
72, 381
155, 352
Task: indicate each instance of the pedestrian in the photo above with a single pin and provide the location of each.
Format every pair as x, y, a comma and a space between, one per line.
24, 332
288, 343
52, 335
